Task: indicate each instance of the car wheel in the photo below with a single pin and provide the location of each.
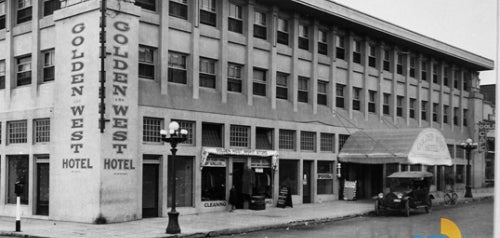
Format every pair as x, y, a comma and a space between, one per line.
407, 208
377, 208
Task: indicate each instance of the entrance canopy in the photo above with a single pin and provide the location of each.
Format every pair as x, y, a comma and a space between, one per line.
408, 146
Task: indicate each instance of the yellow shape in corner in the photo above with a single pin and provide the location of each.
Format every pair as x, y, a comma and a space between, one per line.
450, 229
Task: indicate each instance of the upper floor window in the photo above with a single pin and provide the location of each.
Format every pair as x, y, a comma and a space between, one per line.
41, 130
17, 132
281, 85
423, 71
387, 60
423, 110
24, 11
287, 139
23, 72
146, 62
356, 51
327, 142
146, 4
49, 6
208, 12
303, 37
340, 47
322, 42
455, 116
177, 71
303, 89
342, 140
322, 92
446, 111
465, 117
239, 136
399, 64
235, 20
435, 73
356, 98
260, 25
282, 31
151, 129
234, 78
445, 76
178, 8
385, 105
307, 141
207, 73
372, 57
212, 134
339, 91
413, 65
2, 74
412, 107
48, 65
455, 79
2, 14
399, 106
190, 126
371, 101
259, 82
264, 138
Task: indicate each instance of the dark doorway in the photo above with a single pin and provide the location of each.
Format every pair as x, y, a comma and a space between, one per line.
306, 183
377, 179
42, 192
150, 190
238, 168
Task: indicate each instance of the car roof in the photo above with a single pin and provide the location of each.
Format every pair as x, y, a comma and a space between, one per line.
410, 174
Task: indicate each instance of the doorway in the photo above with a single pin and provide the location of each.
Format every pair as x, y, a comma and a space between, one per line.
42, 192
306, 181
238, 168
150, 190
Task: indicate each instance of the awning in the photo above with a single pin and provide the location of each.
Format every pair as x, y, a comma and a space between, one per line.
425, 146
234, 151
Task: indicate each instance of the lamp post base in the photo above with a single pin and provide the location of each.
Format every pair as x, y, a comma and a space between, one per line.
468, 192
173, 223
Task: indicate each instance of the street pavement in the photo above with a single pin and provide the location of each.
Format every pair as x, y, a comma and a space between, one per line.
209, 224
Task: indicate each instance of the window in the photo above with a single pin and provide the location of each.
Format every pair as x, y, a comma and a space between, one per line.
18, 170
451, 149
415, 167
323, 42
356, 98
212, 134
460, 176
235, 20
286, 139
289, 175
325, 177
2, 14
177, 71
41, 130
23, 70
322, 92
339, 95
435, 73
371, 101
385, 106
259, 82
399, 106
399, 64
327, 142
239, 136
17, 132
49, 6
446, 111
260, 25
356, 51
178, 8
455, 80
207, 73
282, 31
2, 74
146, 62
340, 47
281, 85
264, 138
303, 89
460, 152
213, 181
465, 117
387, 60
303, 37
208, 12
372, 56
189, 126
234, 81
151, 129
413, 63
24, 12
48, 65
435, 108
445, 76
307, 141
146, 4
455, 116
342, 141
423, 71
412, 107
423, 110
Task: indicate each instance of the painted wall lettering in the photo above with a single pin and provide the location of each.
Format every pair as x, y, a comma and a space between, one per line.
76, 163
119, 164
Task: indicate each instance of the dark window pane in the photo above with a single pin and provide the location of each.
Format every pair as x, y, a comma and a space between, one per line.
50, 6
24, 78
207, 80
2, 83
412, 113
399, 111
412, 72
208, 18
177, 76
234, 85
2, 22
282, 38
340, 53
146, 71
322, 48
322, 99
18, 171
48, 74
356, 105
356, 57
372, 61
385, 109
146, 4
387, 65
24, 15
260, 32
282, 93
259, 89
303, 97
371, 107
178, 10
340, 102
424, 75
303, 43
235, 25
399, 69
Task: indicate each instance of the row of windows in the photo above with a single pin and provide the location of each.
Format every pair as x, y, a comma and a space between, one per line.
24, 10
17, 131
239, 136
24, 66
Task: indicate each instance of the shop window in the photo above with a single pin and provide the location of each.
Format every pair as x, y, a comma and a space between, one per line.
2, 74
260, 25
303, 37
451, 149
212, 135
399, 64
281, 85
234, 78
283, 31
264, 138
356, 51
423, 110
325, 177
303, 90
287, 139
399, 106
208, 12
2, 14
356, 98
372, 56
390, 169
435, 73
404, 167
207, 73
323, 42
146, 4
178, 8
213, 183
340, 47
412, 107
177, 70
339, 90
342, 141
327, 142
49, 6
466, 112
239, 136
147, 62
455, 115
261, 167
430, 169
415, 167
445, 76
446, 111
184, 181
18, 171
460, 175
151, 129
259, 82
24, 11
423, 71
322, 96
42, 184
17, 132
235, 20
190, 126
48, 65
371, 100
23, 70
41, 130
386, 64
385, 106
288, 174
413, 63
307, 141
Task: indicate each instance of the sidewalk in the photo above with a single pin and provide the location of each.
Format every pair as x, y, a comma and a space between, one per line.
207, 224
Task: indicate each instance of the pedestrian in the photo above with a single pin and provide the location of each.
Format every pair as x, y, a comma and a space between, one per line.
233, 198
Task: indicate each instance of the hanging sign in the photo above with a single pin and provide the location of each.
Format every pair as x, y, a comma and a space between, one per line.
233, 151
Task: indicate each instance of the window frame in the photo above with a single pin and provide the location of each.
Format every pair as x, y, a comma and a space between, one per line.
386, 62
308, 141
423, 110
24, 9
412, 107
386, 102
177, 69
322, 41
399, 105
208, 12
235, 18
399, 64
372, 95
325, 142
356, 51
17, 135
234, 77
239, 136
280, 87
3, 73
283, 31
49, 6
3, 6
48, 67
150, 131
178, 9
147, 63
26, 73
259, 82
205, 76
340, 95
303, 36
340, 52
260, 28
41, 130
303, 89
356, 98
372, 56
284, 142
322, 97
143, 4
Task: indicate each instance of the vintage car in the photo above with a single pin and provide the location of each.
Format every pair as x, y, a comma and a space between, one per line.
408, 190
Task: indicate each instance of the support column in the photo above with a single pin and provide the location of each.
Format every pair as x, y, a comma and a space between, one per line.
380, 67
451, 113
418, 109
249, 52
431, 91
394, 90
314, 66
194, 73
295, 60
366, 76
333, 70
273, 55
222, 64
164, 44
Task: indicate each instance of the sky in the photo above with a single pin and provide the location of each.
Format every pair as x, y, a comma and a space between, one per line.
467, 24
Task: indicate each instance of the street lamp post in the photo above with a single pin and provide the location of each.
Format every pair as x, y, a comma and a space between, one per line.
468, 146
176, 136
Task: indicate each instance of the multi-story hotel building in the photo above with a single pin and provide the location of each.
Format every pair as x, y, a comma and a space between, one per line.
276, 86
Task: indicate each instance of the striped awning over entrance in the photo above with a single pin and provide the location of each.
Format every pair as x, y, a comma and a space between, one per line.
425, 146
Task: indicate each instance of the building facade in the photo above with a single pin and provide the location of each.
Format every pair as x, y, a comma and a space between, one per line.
272, 86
